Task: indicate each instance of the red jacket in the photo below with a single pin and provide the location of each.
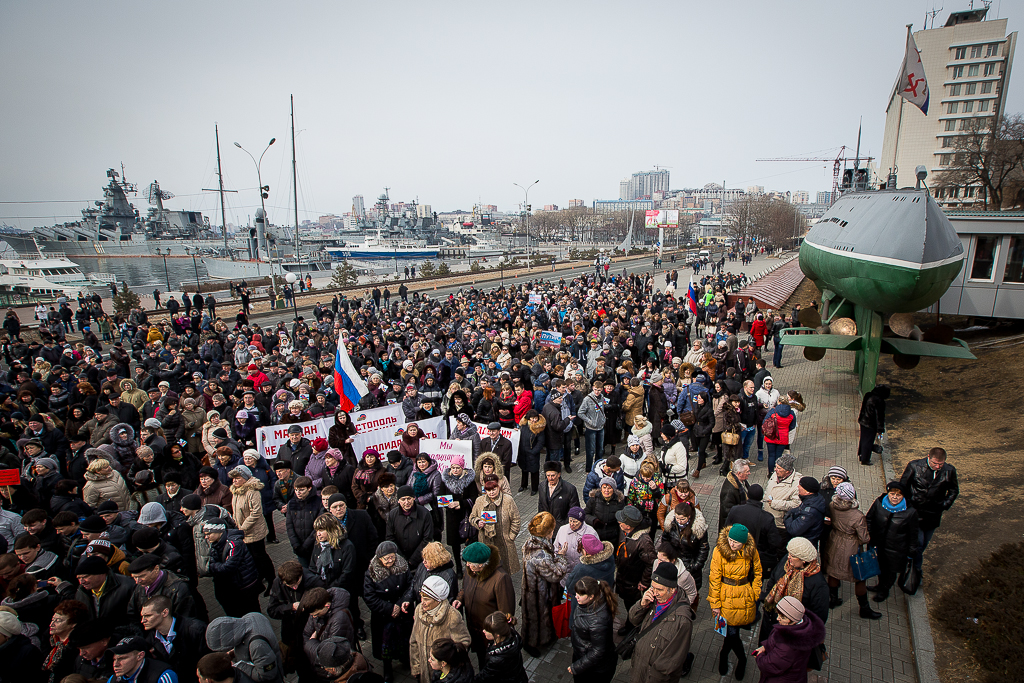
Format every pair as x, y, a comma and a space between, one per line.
524, 402
758, 330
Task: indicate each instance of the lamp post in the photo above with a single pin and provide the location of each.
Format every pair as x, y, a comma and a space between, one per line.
526, 205
264, 193
166, 276
192, 253
290, 278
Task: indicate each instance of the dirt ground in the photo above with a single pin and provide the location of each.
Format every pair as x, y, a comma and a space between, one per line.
971, 409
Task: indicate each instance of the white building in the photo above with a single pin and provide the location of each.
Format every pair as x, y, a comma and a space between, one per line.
423, 211
967, 63
801, 197
644, 184
358, 208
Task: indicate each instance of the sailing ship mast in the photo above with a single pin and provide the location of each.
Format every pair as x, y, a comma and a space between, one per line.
220, 185
295, 182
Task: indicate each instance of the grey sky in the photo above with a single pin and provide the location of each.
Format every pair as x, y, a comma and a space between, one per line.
447, 102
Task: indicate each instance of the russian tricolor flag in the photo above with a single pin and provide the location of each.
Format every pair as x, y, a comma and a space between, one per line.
347, 382
691, 298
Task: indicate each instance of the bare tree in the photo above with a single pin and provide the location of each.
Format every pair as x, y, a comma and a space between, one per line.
764, 219
991, 157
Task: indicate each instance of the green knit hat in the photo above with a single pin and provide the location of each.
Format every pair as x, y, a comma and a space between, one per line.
738, 532
477, 553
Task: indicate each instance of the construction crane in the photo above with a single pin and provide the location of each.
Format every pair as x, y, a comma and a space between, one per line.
838, 164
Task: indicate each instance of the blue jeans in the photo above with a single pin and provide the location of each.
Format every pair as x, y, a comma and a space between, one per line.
555, 454
924, 537
774, 451
747, 436
594, 439
777, 355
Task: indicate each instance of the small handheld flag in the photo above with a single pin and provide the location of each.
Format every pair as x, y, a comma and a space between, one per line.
347, 382
912, 84
691, 298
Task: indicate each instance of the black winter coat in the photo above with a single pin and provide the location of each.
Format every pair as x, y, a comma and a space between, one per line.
593, 651
555, 430
381, 597
893, 534
872, 409
815, 598
410, 532
930, 493
531, 444
601, 514
298, 454
704, 418
558, 504
299, 523
280, 606
363, 535
762, 526
230, 562
733, 493
23, 662
504, 662
335, 566
808, 518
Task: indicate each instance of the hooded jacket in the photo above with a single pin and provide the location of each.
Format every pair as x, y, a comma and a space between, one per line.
742, 569
130, 393
247, 509
252, 643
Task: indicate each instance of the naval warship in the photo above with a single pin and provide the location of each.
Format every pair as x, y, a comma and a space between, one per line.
114, 227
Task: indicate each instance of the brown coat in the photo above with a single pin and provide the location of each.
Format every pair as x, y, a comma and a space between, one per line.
489, 591
671, 500
502, 534
218, 494
849, 531
632, 404
660, 655
447, 623
543, 571
247, 509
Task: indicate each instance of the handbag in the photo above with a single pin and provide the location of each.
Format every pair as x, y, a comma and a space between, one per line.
864, 564
818, 657
687, 418
625, 648
910, 578
730, 438
466, 529
560, 618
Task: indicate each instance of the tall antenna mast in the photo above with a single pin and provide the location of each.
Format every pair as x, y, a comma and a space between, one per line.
220, 185
295, 182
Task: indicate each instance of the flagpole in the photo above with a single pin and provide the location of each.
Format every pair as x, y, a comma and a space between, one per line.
899, 120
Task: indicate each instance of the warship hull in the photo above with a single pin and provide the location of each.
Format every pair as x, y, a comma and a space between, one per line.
138, 246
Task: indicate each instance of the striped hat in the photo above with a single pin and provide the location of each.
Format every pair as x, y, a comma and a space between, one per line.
215, 524
838, 471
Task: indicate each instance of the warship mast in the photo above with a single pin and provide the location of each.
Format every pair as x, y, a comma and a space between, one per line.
295, 182
220, 185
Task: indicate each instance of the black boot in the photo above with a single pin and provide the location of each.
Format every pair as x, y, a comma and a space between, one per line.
881, 595
741, 667
723, 660
567, 466
865, 609
833, 597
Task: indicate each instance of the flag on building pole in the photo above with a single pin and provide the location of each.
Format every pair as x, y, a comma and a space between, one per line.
691, 298
347, 382
912, 84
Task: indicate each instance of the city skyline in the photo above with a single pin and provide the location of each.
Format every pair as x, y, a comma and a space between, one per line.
444, 106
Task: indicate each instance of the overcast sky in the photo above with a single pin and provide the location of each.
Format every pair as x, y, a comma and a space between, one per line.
447, 102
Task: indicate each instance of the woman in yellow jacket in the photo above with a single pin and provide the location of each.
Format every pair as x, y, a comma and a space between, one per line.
735, 584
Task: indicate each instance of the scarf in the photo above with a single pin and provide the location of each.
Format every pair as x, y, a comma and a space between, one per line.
325, 560
420, 484
56, 654
791, 583
889, 507
661, 607
378, 572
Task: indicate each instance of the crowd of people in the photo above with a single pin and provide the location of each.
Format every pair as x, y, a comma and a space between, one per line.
137, 481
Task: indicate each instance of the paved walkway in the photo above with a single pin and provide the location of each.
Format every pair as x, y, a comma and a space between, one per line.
860, 650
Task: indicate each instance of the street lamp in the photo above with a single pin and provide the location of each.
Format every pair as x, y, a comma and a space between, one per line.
194, 265
526, 205
166, 276
264, 193
290, 278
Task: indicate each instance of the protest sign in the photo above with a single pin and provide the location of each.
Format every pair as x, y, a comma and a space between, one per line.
387, 417
269, 439
442, 451
384, 440
551, 339
10, 477
507, 432
535, 298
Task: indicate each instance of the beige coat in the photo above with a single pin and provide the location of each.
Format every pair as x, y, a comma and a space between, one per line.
446, 623
849, 532
502, 534
633, 404
781, 496
100, 488
247, 509
208, 445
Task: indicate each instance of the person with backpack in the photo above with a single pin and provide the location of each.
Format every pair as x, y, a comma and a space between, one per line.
777, 426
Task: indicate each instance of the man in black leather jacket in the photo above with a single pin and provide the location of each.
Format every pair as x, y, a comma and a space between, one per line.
931, 486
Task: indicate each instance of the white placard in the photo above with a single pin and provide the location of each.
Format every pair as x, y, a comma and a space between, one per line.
442, 451
507, 432
269, 439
